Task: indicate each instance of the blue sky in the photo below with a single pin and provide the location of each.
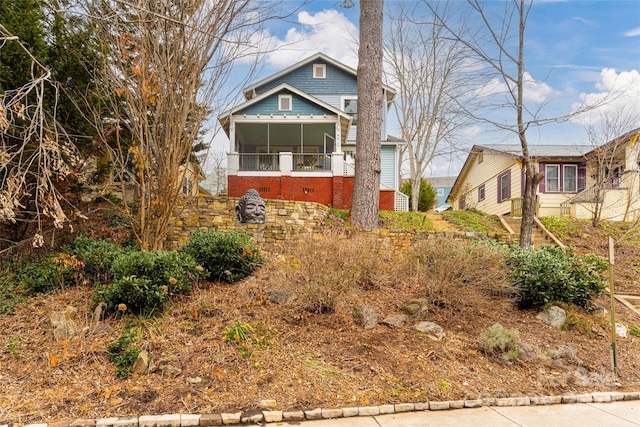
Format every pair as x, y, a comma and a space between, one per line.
574, 50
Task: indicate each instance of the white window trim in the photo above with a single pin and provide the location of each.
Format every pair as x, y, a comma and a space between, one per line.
503, 196
440, 192
564, 176
281, 98
482, 191
317, 74
342, 106
546, 179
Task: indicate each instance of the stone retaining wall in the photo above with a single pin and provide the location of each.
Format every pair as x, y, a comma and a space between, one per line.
284, 220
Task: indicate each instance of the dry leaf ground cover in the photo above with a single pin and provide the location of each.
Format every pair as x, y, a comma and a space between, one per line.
311, 352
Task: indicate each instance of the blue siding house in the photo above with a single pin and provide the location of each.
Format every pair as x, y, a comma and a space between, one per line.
293, 137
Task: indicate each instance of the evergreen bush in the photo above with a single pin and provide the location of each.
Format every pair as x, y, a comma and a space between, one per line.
226, 257
551, 274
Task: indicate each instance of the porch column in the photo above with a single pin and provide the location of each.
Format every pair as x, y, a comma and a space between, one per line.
286, 165
337, 164
233, 163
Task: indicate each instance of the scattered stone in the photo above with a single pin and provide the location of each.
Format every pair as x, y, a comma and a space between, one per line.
366, 315
554, 316
395, 320
98, 313
621, 330
432, 330
415, 307
64, 324
168, 371
281, 296
141, 365
194, 380
267, 404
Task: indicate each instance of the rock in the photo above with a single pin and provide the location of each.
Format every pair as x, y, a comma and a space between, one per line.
432, 330
554, 316
621, 330
267, 404
168, 371
366, 315
412, 309
194, 380
98, 313
64, 324
396, 320
141, 365
281, 296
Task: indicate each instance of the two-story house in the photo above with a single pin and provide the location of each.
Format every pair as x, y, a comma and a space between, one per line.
294, 137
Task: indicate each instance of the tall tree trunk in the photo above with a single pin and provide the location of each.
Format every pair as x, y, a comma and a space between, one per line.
366, 188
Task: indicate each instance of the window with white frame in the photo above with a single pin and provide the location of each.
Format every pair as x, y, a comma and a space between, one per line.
284, 103
481, 193
440, 192
570, 178
552, 178
504, 186
350, 106
319, 71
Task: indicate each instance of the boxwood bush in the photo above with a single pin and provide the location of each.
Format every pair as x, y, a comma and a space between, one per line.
43, 275
226, 257
551, 274
97, 255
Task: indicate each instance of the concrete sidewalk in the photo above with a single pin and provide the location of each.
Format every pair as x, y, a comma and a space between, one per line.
614, 414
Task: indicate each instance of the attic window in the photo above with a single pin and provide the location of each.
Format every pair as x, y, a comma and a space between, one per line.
319, 71
284, 102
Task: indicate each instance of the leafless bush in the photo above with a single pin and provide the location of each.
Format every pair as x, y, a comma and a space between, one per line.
325, 270
453, 274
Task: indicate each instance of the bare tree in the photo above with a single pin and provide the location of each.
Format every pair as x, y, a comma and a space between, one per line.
366, 188
430, 71
36, 155
170, 62
609, 137
499, 44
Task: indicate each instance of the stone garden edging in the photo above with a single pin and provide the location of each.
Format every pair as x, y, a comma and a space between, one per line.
270, 416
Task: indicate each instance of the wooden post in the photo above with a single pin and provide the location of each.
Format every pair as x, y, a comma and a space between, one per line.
614, 364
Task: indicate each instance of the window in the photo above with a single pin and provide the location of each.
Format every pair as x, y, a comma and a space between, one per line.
504, 186
481, 193
552, 178
350, 106
319, 71
440, 192
187, 186
284, 102
480, 156
570, 178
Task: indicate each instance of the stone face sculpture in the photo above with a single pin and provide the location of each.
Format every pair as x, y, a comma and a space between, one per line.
251, 208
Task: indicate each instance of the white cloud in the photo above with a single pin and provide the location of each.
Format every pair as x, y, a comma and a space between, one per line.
534, 91
617, 92
328, 31
634, 32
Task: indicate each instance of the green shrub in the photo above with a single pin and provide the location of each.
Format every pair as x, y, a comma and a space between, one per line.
551, 274
144, 281
498, 340
226, 257
634, 330
97, 255
123, 352
43, 275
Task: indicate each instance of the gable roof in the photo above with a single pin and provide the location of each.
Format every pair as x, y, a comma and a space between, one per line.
284, 86
536, 152
250, 91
